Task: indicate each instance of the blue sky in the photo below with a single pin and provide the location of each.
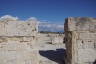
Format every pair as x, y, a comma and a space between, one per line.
54, 11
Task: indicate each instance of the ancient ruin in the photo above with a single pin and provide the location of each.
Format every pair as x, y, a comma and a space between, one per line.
21, 43
17, 40
80, 34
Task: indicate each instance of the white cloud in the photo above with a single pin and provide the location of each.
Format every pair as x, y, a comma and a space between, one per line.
46, 24
51, 27
32, 18
60, 26
8, 17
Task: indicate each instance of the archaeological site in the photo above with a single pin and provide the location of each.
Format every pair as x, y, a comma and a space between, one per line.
22, 43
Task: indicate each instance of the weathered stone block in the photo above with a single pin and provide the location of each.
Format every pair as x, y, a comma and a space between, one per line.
18, 28
84, 36
80, 24
81, 40
13, 51
17, 39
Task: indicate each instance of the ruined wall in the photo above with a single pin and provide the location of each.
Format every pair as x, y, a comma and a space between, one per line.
80, 34
17, 40
56, 38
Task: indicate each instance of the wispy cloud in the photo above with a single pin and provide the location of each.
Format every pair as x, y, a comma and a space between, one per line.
46, 26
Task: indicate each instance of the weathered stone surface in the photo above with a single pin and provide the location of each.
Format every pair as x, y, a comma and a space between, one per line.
18, 28
20, 43
80, 24
17, 40
17, 50
81, 40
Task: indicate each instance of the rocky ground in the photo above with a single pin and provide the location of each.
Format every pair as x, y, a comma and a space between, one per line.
51, 48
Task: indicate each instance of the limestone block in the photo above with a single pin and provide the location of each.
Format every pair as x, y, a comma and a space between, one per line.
92, 27
12, 51
18, 28
80, 45
69, 24
80, 24
57, 40
86, 35
86, 55
2, 29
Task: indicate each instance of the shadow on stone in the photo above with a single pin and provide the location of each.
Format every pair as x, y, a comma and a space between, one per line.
54, 55
94, 62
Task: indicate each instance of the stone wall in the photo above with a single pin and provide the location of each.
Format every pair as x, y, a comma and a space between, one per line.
80, 34
56, 38
17, 40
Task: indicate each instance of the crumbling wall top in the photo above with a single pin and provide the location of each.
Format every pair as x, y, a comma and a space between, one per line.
80, 24
10, 26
